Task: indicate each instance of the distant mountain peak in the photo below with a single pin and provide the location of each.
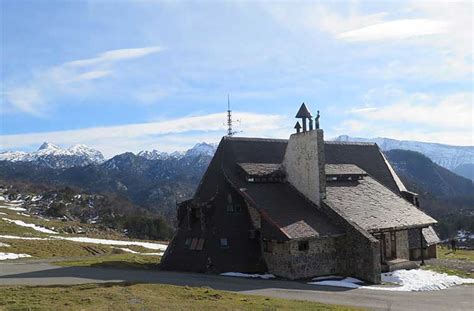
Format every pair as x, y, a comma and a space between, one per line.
48, 146
199, 149
53, 156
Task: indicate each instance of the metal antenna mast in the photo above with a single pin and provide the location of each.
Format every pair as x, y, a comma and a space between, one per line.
230, 132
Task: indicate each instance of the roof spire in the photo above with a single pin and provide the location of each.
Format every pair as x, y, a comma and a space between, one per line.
303, 114
297, 127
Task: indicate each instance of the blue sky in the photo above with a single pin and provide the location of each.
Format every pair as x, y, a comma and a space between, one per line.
133, 75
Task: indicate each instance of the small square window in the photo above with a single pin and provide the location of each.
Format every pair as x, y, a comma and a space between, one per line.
187, 243
230, 208
303, 245
200, 244
194, 244
224, 243
268, 246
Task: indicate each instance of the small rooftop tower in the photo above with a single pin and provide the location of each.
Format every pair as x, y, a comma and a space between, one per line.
304, 114
230, 131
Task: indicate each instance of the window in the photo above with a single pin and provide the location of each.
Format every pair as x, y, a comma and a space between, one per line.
268, 246
200, 244
224, 243
230, 206
187, 243
194, 244
237, 208
303, 245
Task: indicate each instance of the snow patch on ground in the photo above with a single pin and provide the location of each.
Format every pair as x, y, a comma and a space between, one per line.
2, 213
420, 280
128, 250
23, 214
4, 244
245, 275
154, 246
5, 256
13, 237
32, 226
14, 208
407, 281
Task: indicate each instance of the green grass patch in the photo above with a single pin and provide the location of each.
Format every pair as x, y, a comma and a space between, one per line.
442, 269
461, 254
53, 248
126, 296
121, 261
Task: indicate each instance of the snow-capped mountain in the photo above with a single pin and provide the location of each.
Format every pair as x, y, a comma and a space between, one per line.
450, 157
197, 150
56, 157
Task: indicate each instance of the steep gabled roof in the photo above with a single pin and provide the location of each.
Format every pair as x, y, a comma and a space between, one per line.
374, 207
286, 213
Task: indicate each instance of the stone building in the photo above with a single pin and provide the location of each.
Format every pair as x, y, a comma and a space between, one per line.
299, 208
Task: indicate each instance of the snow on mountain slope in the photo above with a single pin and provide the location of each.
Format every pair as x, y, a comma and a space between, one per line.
56, 157
447, 156
197, 150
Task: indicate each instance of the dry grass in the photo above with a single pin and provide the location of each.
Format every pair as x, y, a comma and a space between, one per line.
125, 296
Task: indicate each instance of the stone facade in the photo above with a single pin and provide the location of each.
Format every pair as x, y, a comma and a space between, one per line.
358, 252
403, 251
286, 260
304, 164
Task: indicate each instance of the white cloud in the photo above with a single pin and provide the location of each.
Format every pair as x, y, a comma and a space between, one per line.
167, 135
26, 99
397, 29
449, 112
396, 114
68, 77
115, 55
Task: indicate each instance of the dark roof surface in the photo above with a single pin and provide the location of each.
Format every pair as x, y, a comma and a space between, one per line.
289, 214
343, 169
366, 156
286, 208
374, 207
261, 169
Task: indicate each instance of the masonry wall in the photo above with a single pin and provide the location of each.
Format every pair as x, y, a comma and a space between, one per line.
304, 164
403, 249
287, 261
358, 252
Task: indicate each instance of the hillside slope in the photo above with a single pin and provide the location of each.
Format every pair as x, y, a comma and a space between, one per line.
444, 195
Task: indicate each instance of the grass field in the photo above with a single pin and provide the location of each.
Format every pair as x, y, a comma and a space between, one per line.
461, 254
124, 296
460, 263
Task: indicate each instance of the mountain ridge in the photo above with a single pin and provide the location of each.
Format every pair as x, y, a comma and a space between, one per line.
458, 159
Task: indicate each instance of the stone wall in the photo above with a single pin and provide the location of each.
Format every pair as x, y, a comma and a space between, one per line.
403, 250
358, 252
304, 164
287, 261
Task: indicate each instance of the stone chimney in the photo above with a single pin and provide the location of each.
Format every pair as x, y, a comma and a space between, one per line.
304, 164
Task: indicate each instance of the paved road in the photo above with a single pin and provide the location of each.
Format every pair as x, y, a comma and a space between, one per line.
456, 298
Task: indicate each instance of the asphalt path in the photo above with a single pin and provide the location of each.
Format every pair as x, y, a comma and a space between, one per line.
38, 273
